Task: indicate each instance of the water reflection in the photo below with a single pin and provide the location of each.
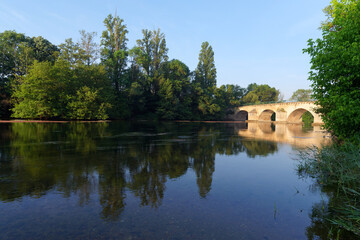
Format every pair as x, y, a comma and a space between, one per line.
84, 157
294, 134
110, 161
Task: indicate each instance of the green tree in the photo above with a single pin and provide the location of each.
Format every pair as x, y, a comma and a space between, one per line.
204, 85
63, 91
261, 93
335, 69
87, 104
72, 53
301, 95
114, 52
17, 53
150, 54
43, 49
205, 73
148, 59
175, 91
227, 97
11, 45
89, 46
42, 93
92, 80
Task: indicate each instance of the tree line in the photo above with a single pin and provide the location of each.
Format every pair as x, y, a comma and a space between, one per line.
88, 80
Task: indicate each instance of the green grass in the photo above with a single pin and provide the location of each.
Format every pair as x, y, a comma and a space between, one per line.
336, 170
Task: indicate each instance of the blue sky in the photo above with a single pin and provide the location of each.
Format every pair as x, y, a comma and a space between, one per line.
254, 41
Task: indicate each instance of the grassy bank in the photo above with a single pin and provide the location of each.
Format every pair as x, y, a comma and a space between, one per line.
336, 170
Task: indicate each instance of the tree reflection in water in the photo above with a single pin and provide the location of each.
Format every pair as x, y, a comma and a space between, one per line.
113, 159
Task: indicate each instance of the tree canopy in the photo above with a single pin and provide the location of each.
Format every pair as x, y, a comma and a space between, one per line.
335, 69
302, 95
261, 93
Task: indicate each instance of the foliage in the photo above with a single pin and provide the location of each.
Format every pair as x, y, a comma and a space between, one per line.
87, 105
41, 80
17, 53
301, 95
46, 90
42, 92
72, 53
227, 97
43, 50
205, 73
204, 85
148, 83
150, 55
335, 69
89, 46
114, 52
307, 118
260, 93
175, 91
12, 46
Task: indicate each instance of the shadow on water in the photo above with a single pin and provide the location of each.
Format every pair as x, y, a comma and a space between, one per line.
118, 158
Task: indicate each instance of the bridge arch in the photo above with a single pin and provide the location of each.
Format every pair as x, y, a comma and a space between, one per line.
266, 115
284, 112
296, 115
242, 115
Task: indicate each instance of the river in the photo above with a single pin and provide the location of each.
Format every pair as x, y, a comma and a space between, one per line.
147, 180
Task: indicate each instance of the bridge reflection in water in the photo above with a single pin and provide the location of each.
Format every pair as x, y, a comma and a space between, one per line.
294, 134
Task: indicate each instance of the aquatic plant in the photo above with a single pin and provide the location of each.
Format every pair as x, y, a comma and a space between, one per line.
336, 170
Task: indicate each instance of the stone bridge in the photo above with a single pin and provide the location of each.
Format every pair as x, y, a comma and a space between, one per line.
288, 112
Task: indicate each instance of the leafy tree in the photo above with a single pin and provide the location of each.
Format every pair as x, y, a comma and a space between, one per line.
307, 119
261, 93
62, 91
227, 97
205, 73
72, 53
87, 104
89, 46
83, 52
43, 49
335, 69
148, 60
150, 54
10, 49
138, 87
43, 91
17, 53
204, 84
114, 52
175, 91
301, 95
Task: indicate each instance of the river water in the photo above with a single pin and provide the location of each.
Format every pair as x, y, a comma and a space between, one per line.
146, 180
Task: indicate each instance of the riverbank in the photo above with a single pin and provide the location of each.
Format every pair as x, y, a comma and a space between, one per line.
336, 169
47, 121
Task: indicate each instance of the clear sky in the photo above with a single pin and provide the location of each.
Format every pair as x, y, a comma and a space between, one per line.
254, 41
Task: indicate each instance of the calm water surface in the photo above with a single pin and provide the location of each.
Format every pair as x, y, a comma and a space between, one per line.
143, 180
